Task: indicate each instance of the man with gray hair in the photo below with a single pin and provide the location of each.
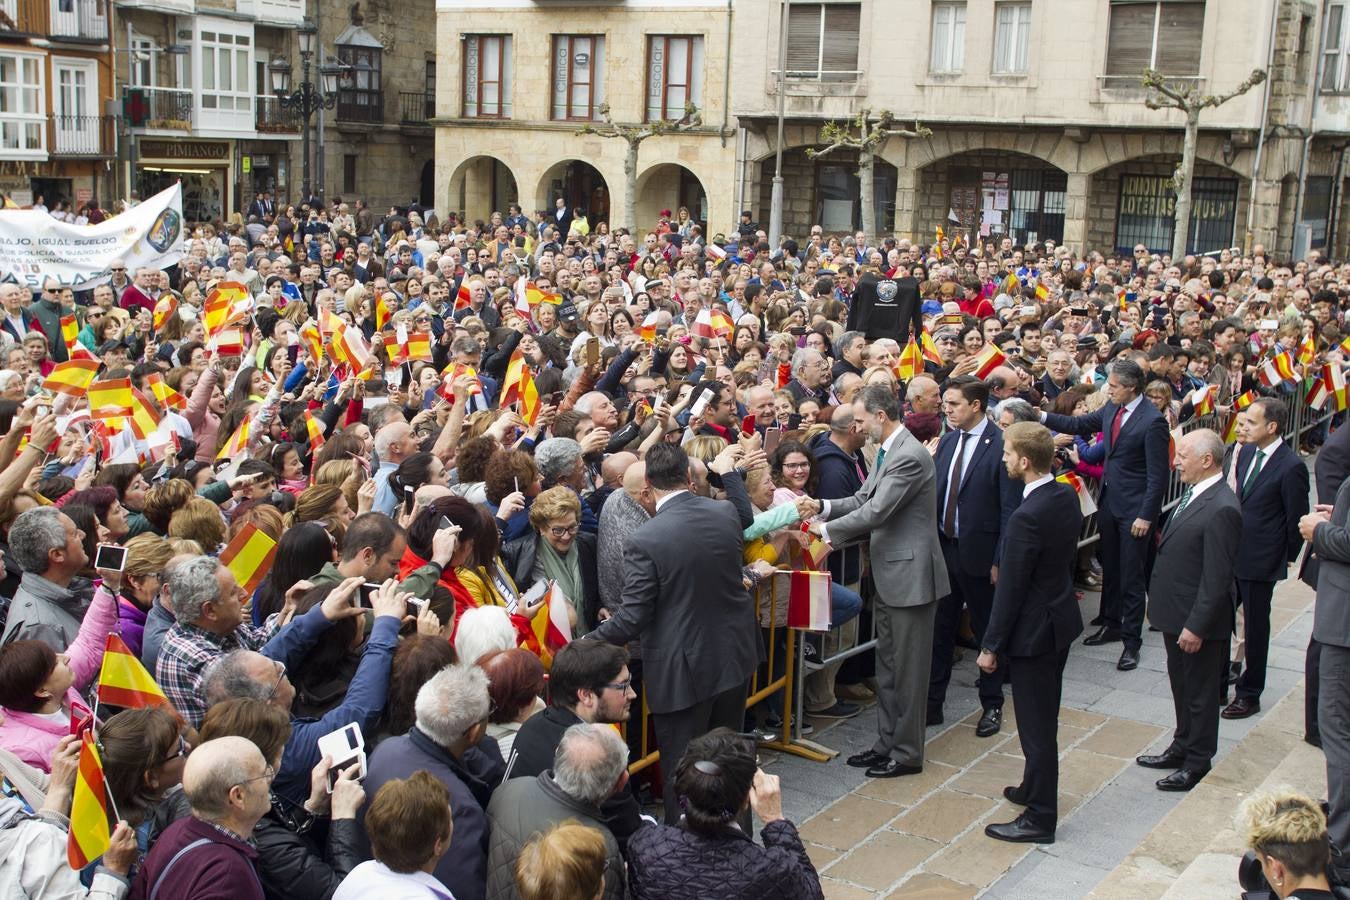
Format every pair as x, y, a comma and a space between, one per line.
1014, 409
450, 742
559, 462
394, 443
51, 600
810, 376
589, 766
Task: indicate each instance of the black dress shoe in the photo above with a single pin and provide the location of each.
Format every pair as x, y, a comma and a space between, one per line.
892, 769
1020, 831
1241, 708
990, 723
1314, 738
1015, 795
934, 717
1097, 621
1181, 780
1103, 635
1129, 660
1163, 760
866, 758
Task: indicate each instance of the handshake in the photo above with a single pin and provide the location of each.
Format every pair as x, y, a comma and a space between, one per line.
807, 507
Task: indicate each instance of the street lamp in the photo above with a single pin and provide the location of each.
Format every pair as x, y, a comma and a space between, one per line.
307, 98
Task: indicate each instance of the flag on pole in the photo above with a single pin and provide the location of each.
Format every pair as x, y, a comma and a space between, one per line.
529, 398
1316, 396
808, 605
1334, 378
552, 627
165, 307
989, 359
70, 332
90, 835
1202, 399
350, 347
1277, 370
910, 362
1344, 346
1245, 399
330, 323
124, 682
418, 347
382, 312
72, 377
1042, 292
167, 396
313, 428
929, 348
647, 330
1230, 428
144, 418
1307, 350
313, 341
463, 297
110, 398
513, 382
712, 324
1086, 504
249, 556
237, 444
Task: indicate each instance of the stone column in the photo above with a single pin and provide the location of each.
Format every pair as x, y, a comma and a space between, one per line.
906, 201
478, 189
1265, 198
1076, 211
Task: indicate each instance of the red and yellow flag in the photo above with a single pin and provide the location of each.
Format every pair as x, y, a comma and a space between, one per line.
1230, 428
647, 330
70, 332
462, 297
249, 556
110, 399
72, 377
1086, 504
165, 307
529, 398
989, 359
313, 428
930, 349
1203, 399
313, 341
124, 682
90, 835
512, 384
1278, 369
219, 308
552, 627
938, 237
144, 416
167, 396
910, 362
418, 347
1307, 350
1245, 399
350, 347
1042, 292
382, 312
237, 444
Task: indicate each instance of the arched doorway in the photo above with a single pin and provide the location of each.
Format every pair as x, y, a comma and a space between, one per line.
670, 186
580, 184
991, 194
479, 186
427, 194
1132, 203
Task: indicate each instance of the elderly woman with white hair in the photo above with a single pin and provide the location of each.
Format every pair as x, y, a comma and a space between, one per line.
11, 385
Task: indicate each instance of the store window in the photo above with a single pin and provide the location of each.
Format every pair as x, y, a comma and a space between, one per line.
1147, 213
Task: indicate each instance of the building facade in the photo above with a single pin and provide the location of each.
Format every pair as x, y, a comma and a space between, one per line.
56, 135
517, 80
1040, 129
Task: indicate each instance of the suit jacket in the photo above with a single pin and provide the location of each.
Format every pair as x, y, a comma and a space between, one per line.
986, 498
1333, 465
30, 323
1331, 543
1136, 464
1192, 584
1035, 606
683, 596
895, 510
374, 269
1270, 513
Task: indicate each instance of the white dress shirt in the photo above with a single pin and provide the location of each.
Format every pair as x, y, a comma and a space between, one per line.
967, 451
1039, 482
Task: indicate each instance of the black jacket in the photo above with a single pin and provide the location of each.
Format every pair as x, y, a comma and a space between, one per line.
985, 499
1270, 513
519, 555
666, 862
838, 475
1136, 465
291, 865
886, 308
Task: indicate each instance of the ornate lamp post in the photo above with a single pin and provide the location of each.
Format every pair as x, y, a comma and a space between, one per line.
307, 98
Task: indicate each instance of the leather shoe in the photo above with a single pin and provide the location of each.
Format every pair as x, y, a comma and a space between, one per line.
1103, 635
1181, 780
1097, 621
934, 717
866, 759
892, 769
990, 723
1164, 760
1129, 660
1241, 708
1020, 831
1015, 795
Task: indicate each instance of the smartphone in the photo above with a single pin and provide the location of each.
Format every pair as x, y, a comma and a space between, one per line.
110, 557
419, 603
593, 352
748, 425
1158, 315
700, 404
366, 592
1080, 311
772, 438
797, 330
444, 523
346, 747
409, 495
555, 398
1028, 310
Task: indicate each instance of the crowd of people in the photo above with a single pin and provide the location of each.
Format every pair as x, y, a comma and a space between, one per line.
454, 431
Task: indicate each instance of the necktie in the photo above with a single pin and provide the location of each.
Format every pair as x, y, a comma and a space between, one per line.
881, 458
1115, 425
954, 488
1253, 472
1185, 498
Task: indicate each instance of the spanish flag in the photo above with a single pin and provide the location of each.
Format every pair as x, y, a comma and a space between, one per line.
350, 347
382, 312
110, 399
418, 347
1203, 399
929, 348
249, 556
124, 682
237, 444
1042, 292
713, 324
647, 330
529, 398
453, 371
1307, 350
228, 341
90, 835
1230, 428
989, 359
330, 323
313, 428
462, 297
313, 341
1277, 370
144, 417
72, 377
222, 305
1344, 346
513, 383
1245, 399
552, 626
165, 307
1334, 379
167, 396
70, 332
1085, 502
911, 361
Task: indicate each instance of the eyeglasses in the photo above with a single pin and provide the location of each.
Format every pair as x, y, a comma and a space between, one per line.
181, 752
275, 687
621, 686
563, 532
800, 465
268, 774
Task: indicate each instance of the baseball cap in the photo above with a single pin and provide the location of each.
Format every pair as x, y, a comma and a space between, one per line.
567, 312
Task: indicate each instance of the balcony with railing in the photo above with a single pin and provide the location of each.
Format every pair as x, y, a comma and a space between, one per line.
160, 108
273, 118
23, 17
360, 107
81, 19
416, 107
87, 136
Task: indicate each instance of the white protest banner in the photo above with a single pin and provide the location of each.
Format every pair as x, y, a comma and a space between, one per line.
34, 246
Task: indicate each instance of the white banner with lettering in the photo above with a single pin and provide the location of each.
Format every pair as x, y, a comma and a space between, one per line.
34, 246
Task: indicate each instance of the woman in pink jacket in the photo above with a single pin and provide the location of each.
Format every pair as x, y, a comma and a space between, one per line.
40, 689
205, 407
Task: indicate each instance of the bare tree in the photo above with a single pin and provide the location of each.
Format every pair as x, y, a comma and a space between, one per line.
869, 138
633, 136
1191, 102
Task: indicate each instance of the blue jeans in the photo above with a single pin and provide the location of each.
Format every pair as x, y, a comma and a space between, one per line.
844, 604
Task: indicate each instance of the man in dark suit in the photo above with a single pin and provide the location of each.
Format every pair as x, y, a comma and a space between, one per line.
1326, 531
1273, 489
1190, 602
1329, 473
975, 497
1136, 476
684, 598
894, 511
1033, 623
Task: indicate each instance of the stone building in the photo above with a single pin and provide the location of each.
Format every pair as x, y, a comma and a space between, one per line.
1039, 124
517, 79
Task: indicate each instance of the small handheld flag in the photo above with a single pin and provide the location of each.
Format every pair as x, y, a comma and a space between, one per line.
124, 682
809, 601
249, 556
72, 377
90, 835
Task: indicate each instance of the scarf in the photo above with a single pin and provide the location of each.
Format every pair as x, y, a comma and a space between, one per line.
565, 571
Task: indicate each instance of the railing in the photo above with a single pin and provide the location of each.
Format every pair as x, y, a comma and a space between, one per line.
78, 19
168, 109
416, 107
272, 116
825, 76
78, 135
372, 111
23, 16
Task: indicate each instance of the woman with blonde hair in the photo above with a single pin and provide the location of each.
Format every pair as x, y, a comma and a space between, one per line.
142, 574
557, 551
199, 520
323, 503
1288, 834
567, 860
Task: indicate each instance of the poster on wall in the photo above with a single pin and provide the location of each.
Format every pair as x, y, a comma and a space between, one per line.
35, 247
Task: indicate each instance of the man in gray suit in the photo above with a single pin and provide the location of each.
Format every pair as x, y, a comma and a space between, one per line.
1190, 602
896, 511
1326, 528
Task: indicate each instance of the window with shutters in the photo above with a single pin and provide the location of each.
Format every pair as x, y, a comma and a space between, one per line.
487, 76
364, 100
949, 38
823, 41
1160, 34
578, 75
1335, 73
674, 75
1012, 38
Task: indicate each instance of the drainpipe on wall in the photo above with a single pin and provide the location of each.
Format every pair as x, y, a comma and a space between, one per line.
726, 82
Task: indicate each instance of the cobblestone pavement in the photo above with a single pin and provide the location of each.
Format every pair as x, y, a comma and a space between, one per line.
923, 836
